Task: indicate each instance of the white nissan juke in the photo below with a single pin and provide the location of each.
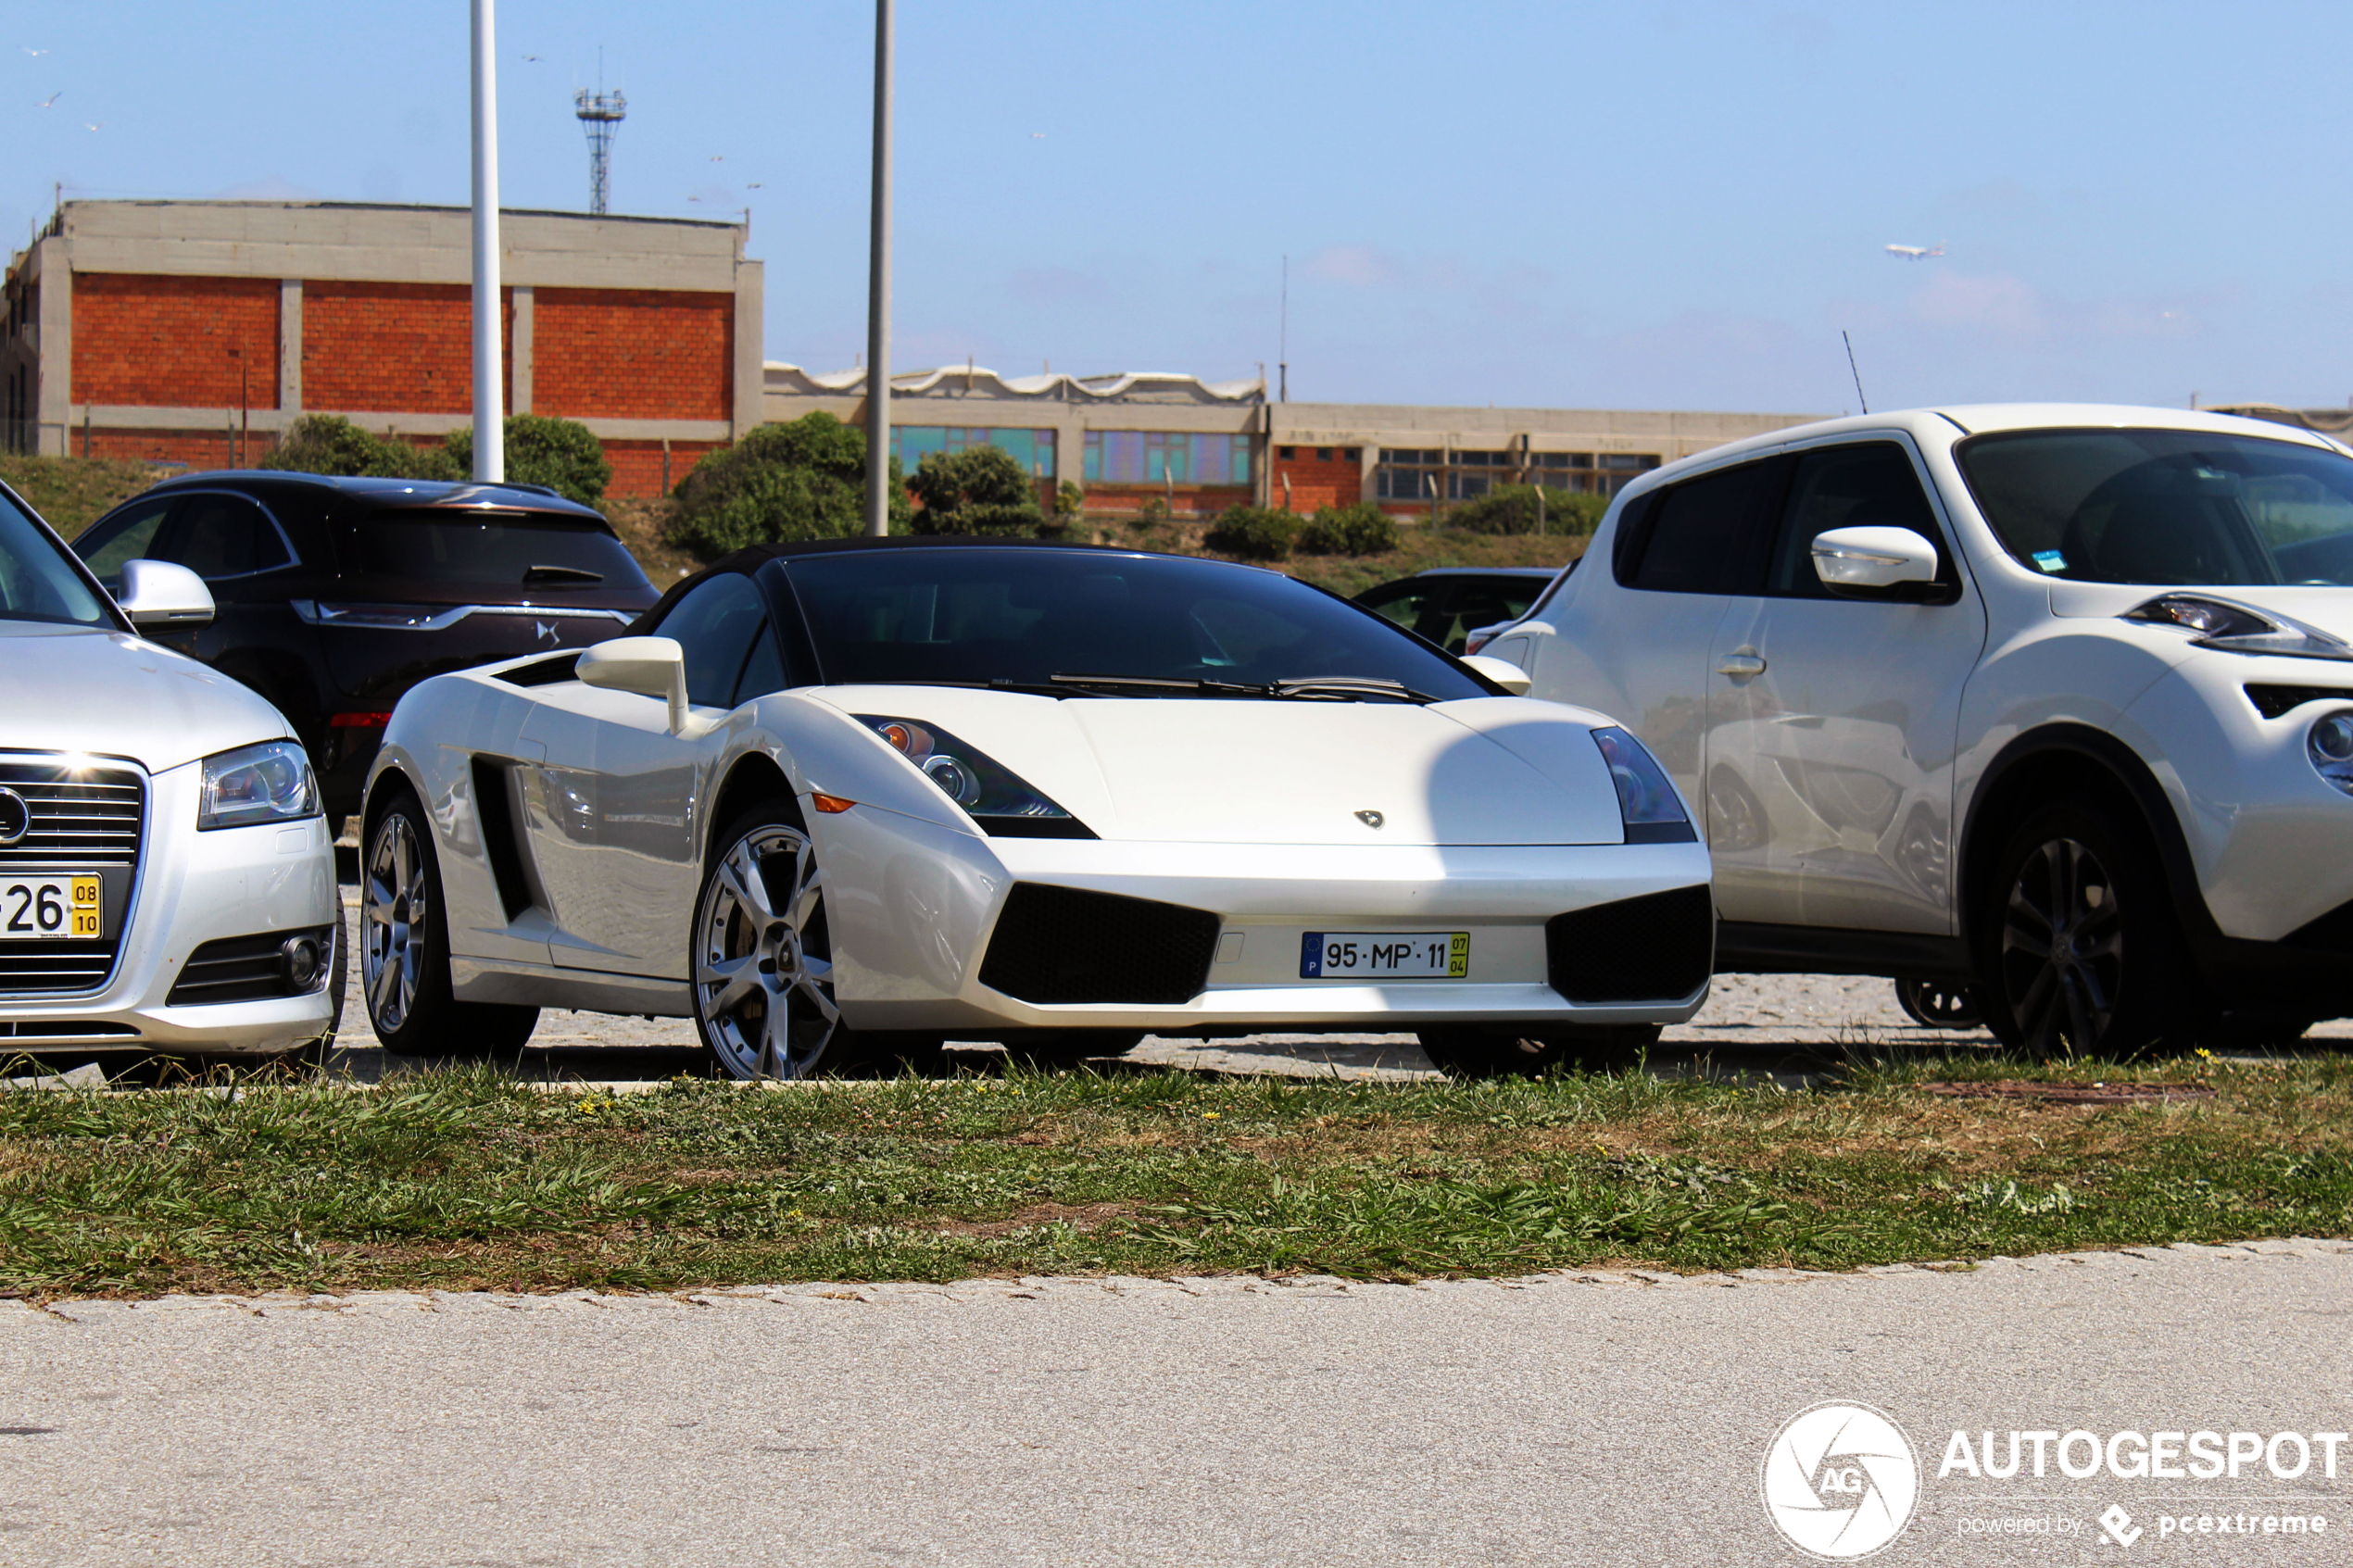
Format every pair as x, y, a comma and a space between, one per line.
2052, 704
894, 791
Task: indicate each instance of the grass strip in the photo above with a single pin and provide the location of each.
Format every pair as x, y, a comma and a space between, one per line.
467, 1180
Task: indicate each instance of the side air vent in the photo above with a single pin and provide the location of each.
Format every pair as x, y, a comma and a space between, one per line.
495, 804
2275, 702
1660, 948
1067, 944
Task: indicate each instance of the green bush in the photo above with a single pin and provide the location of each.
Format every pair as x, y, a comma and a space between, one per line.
1359, 530
560, 454
806, 480
1511, 509
332, 444
1070, 502
979, 490
1254, 533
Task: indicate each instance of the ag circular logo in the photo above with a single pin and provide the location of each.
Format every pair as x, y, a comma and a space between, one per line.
16, 817
1840, 1481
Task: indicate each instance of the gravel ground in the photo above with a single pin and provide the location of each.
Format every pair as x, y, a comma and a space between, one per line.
1780, 1025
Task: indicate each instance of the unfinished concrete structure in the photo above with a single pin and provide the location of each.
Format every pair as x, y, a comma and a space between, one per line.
197, 332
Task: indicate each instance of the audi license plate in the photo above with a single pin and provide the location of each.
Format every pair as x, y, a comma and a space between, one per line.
1384, 955
44, 909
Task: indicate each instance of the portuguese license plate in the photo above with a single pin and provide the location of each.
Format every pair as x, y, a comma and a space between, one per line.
1384, 955
46, 909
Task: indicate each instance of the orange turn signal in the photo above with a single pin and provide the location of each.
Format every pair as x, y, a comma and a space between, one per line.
830, 804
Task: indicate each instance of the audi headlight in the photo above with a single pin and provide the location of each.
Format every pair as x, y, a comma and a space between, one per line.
1647, 803
269, 782
998, 798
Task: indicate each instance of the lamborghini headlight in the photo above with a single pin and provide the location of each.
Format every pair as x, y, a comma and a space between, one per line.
269, 782
996, 796
1647, 803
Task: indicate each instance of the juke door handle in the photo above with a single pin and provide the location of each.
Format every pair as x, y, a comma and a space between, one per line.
1739, 664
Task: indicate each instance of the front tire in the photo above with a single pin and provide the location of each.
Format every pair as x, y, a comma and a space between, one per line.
403, 950
2083, 955
1501, 1052
762, 955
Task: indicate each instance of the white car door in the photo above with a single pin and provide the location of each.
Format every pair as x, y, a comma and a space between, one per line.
1635, 635
1832, 722
613, 809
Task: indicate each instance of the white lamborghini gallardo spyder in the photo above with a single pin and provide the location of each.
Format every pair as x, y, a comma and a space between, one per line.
872, 794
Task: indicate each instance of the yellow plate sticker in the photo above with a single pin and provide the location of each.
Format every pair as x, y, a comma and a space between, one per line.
1458, 956
89, 917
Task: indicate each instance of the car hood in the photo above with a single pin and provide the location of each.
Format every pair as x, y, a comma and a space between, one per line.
71, 688
1215, 771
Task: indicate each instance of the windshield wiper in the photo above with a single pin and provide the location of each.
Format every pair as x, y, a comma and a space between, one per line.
1164, 684
1348, 688
564, 575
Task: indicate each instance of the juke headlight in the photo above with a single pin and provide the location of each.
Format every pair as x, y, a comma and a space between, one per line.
985, 788
2329, 743
269, 782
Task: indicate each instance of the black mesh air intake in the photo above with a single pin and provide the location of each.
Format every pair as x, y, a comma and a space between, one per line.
1066, 945
246, 969
1660, 947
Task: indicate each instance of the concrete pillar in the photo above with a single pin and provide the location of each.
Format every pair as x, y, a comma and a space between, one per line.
519, 373
746, 408
289, 347
53, 400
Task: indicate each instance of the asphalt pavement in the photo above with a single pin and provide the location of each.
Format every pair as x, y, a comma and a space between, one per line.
1566, 1419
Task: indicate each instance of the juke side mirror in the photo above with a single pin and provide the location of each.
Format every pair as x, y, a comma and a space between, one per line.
1879, 563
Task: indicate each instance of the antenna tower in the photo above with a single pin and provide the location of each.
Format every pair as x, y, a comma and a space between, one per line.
599, 112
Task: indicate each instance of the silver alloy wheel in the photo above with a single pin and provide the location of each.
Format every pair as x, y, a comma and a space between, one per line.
392, 923
2062, 949
764, 967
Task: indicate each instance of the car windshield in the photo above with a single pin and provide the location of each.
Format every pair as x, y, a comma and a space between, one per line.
2171, 507
1026, 616
501, 549
37, 583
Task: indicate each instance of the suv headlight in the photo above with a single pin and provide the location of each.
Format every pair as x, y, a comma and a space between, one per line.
269, 782
1647, 803
2329, 744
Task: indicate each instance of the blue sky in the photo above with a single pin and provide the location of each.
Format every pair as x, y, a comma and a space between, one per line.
1674, 204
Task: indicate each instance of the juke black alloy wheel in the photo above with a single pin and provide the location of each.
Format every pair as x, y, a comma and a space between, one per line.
2082, 952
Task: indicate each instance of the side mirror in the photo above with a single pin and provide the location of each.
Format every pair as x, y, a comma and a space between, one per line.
1876, 563
1503, 671
157, 592
654, 667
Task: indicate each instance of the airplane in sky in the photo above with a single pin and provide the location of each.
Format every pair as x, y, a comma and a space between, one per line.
1915, 253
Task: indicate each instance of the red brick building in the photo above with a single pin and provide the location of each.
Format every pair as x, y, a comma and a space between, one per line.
197, 332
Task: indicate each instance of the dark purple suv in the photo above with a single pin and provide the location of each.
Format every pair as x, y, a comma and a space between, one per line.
335, 596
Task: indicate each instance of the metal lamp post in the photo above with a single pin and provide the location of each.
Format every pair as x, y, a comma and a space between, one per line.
490, 450
879, 294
